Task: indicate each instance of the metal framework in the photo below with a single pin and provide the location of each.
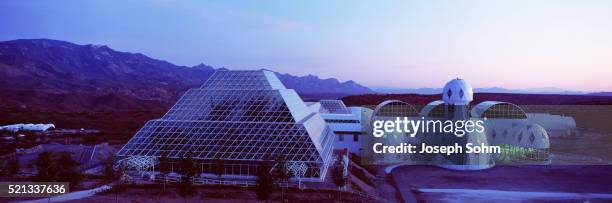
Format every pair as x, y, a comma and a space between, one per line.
335, 106
238, 116
138, 163
501, 110
434, 109
389, 110
299, 169
394, 108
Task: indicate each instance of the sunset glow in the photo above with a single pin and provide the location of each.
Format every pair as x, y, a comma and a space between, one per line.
411, 44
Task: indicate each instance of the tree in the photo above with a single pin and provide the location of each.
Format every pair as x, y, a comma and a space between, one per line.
30, 136
164, 167
5, 132
13, 166
52, 168
110, 172
219, 170
187, 172
340, 179
4, 169
281, 173
119, 184
69, 171
265, 181
187, 165
46, 169
338, 174
114, 174
186, 187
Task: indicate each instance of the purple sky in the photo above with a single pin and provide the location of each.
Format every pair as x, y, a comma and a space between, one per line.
512, 44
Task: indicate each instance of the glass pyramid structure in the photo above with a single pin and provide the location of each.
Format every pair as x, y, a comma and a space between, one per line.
240, 117
334, 106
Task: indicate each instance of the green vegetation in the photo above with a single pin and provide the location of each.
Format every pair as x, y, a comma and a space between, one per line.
265, 180
338, 173
60, 167
281, 173
69, 170
10, 167
164, 168
114, 175
185, 187
13, 166
45, 167
340, 179
219, 168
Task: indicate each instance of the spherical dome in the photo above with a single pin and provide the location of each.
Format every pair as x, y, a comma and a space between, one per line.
457, 92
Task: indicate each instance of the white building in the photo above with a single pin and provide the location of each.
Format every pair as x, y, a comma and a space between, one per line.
344, 121
555, 125
505, 125
28, 127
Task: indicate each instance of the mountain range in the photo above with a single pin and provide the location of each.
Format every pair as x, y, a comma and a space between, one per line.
96, 87
47, 74
427, 91
53, 75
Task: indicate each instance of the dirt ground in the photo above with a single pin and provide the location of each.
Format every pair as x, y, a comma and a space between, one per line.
551, 178
215, 194
589, 147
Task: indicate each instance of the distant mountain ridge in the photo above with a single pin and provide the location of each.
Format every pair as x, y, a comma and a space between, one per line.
60, 67
312, 84
544, 90
601, 94
518, 99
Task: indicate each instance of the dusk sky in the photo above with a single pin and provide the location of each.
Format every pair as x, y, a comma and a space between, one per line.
512, 44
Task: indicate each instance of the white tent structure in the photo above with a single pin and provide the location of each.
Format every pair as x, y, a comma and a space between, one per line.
28, 127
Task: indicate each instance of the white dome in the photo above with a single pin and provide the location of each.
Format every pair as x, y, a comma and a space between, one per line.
457, 92
534, 136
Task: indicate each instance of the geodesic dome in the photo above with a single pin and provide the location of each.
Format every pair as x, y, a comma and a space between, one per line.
457, 92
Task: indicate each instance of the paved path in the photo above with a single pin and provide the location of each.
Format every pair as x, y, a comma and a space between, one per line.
478, 195
574, 183
72, 196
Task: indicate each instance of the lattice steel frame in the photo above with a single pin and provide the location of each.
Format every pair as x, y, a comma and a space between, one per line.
238, 116
334, 106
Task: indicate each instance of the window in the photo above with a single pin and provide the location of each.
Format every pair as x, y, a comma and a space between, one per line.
340, 137
356, 137
335, 106
341, 121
